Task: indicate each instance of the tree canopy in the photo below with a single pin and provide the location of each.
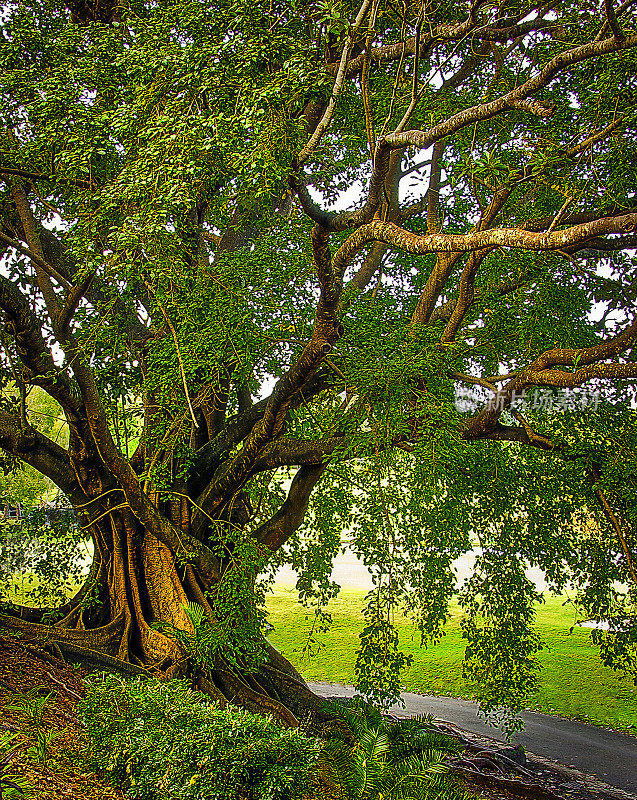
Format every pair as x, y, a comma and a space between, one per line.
291, 269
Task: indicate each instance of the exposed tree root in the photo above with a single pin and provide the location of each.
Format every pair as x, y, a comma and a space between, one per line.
140, 593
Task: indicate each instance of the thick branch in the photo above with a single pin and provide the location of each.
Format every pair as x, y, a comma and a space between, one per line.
604, 245
436, 281
587, 355
513, 433
277, 530
75, 295
237, 428
410, 242
33, 240
612, 21
560, 379
466, 294
484, 111
286, 452
40, 176
34, 448
36, 260
541, 373
40, 368
433, 192
444, 311
366, 271
96, 293
326, 331
182, 544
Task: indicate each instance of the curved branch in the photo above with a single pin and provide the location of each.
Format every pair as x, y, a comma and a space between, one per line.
277, 530
484, 111
238, 427
519, 434
398, 237
326, 219
40, 369
287, 452
560, 379
541, 373
40, 452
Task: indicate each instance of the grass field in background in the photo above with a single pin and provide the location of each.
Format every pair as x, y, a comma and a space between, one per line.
573, 681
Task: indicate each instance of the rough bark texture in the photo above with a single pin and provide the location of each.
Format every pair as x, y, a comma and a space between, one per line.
134, 583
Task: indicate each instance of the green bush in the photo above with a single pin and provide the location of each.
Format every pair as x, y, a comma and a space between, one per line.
161, 740
404, 760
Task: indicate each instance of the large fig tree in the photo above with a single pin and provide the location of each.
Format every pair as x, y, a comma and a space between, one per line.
292, 269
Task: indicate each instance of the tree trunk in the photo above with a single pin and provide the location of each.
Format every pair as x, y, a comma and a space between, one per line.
136, 592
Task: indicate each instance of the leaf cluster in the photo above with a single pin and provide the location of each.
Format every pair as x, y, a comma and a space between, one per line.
161, 740
404, 760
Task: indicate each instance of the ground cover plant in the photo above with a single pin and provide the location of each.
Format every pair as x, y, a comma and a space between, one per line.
161, 740
405, 760
12, 785
245, 757
64, 772
244, 370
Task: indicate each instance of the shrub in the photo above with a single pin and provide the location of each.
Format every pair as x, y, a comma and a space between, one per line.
404, 760
161, 740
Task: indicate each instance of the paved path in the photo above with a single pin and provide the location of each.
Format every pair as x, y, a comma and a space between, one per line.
610, 756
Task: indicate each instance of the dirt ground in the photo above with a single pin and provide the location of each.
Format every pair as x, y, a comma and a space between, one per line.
65, 774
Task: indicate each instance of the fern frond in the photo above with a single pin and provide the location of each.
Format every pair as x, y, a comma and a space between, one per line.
196, 613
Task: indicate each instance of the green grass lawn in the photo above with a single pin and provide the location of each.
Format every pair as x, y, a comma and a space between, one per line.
573, 681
